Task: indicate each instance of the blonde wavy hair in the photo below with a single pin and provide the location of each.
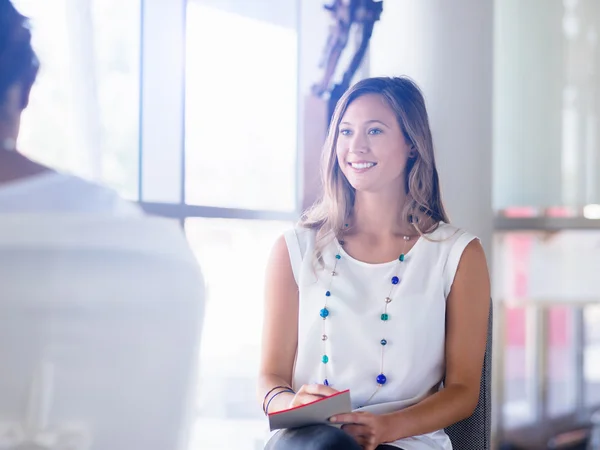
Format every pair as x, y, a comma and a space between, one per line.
423, 208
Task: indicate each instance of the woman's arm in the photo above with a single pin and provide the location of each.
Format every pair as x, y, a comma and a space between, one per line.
280, 328
280, 337
466, 335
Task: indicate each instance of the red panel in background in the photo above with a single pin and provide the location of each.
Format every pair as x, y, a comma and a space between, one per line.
515, 327
520, 247
558, 327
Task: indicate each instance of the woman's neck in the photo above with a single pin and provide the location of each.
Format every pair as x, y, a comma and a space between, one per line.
378, 214
8, 136
14, 166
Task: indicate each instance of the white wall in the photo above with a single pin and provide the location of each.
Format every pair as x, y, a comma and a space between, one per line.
546, 103
447, 48
528, 95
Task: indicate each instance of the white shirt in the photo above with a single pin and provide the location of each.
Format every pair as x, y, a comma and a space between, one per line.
61, 193
100, 325
101, 311
414, 356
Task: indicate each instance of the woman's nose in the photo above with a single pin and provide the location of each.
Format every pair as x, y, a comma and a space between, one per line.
358, 144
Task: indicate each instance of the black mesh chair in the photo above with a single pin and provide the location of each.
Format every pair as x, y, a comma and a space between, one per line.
474, 433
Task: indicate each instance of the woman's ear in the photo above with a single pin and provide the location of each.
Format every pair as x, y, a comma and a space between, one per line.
25, 93
14, 98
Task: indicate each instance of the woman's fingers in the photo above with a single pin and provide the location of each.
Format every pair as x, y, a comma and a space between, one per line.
363, 441
308, 398
361, 434
354, 430
309, 393
302, 398
347, 418
319, 389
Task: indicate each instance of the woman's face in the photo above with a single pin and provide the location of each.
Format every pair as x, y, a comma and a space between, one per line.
371, 149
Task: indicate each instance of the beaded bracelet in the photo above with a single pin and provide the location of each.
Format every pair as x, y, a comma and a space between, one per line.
269, 402
267, 394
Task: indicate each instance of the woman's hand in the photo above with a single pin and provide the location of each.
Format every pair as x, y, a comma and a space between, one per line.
309, 393
366, 428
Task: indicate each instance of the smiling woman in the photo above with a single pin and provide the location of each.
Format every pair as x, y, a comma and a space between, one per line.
375, 274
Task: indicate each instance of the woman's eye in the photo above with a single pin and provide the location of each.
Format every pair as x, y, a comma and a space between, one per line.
344, 132
375, 131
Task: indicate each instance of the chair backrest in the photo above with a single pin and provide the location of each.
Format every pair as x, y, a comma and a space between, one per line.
100, 322
474, 433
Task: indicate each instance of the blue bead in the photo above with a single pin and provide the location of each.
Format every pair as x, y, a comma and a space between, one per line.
324, 313
325, 359
338, 256
401, 257
328, 294
326, 383
381, 379
395, 280
383, 342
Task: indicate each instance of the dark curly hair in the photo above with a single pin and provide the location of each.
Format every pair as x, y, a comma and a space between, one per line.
18, 62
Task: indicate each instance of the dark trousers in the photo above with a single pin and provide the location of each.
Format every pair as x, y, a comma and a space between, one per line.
316, 437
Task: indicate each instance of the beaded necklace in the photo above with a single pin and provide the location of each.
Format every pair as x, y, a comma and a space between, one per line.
324, 313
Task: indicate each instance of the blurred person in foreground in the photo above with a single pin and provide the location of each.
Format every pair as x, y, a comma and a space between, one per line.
100, 306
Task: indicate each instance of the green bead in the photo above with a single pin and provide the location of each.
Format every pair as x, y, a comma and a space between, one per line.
325, 359
384, 317
401, 257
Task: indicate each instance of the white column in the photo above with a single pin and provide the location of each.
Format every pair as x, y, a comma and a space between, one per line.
447, 48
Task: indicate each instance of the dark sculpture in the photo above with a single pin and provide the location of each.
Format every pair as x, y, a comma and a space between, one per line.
346, 13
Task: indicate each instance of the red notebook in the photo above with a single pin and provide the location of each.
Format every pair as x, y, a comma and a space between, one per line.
315, 413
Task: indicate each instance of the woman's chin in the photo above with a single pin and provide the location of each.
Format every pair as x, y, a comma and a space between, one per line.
363, 187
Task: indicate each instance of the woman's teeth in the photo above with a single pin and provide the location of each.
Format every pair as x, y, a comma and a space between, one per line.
362, 165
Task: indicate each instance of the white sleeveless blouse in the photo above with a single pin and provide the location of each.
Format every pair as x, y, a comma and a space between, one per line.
413, 362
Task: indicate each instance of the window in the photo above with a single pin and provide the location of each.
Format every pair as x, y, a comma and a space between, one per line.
240, 164
241, 110
111, 104
83, 115
233, 255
